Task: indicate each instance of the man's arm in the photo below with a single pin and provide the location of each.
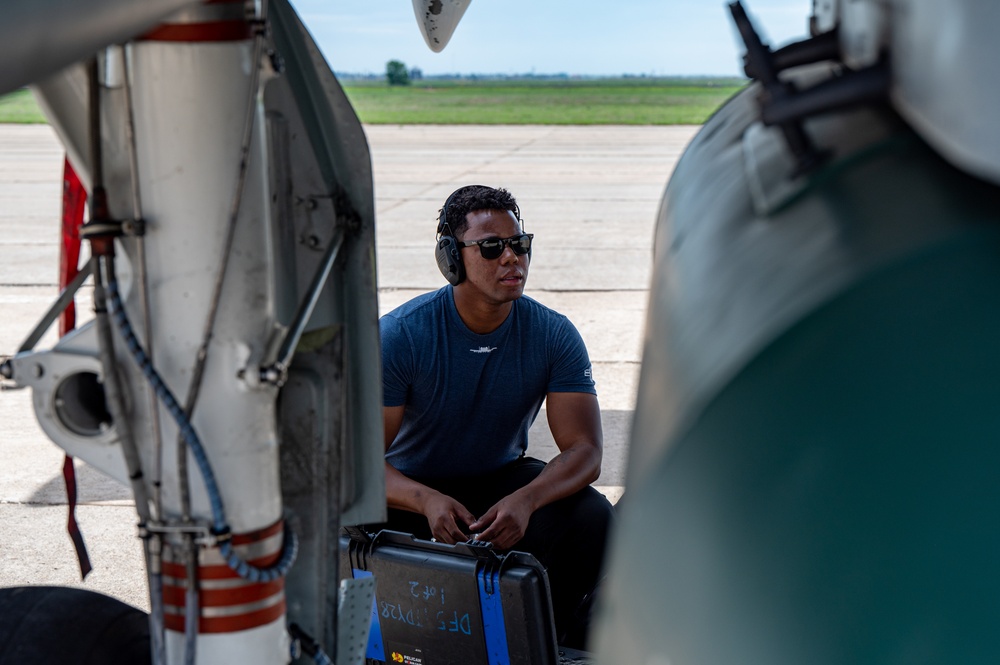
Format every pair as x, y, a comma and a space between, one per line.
575, 422
445, 515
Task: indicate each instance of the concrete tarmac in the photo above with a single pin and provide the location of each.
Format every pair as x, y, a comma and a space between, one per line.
589, 194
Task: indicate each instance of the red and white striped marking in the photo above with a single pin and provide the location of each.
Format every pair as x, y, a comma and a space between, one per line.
227, 603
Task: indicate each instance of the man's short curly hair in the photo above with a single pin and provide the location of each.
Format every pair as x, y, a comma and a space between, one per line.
475, 197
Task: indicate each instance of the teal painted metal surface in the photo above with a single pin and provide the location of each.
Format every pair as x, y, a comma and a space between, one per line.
814, 458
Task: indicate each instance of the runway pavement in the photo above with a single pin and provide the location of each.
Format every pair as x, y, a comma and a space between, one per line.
589, 194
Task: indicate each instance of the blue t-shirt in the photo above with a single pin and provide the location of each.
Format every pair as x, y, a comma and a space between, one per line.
471, 398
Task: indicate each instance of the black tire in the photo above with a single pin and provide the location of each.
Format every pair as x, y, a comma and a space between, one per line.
63, 626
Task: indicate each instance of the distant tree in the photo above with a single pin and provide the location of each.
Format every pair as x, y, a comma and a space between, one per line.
396, 74
416, 74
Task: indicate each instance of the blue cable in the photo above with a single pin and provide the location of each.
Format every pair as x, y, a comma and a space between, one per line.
245, 570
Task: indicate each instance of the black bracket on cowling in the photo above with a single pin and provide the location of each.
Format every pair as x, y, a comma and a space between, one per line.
760, 65
784, 106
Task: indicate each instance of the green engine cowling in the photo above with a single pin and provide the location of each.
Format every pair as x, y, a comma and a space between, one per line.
813, 469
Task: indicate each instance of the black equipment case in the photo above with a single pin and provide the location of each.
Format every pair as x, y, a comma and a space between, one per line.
438, 604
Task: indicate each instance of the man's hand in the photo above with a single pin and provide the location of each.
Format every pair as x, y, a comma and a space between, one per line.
575, 422
446, 517
504, 524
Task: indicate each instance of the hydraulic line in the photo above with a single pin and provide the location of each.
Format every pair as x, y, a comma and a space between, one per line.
143, 280
191, 604
100, 247
220, 527
154, 547
115, 396
308, 644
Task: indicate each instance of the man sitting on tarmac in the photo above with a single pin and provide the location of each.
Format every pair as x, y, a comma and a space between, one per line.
465, 371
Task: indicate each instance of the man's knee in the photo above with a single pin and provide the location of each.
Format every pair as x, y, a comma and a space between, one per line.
578, 522
596, 506
588, 511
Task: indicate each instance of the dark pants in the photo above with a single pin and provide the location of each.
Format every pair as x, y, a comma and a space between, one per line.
567, 536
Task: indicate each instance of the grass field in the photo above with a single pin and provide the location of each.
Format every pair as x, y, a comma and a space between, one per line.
631, 101
620, 101
19, 107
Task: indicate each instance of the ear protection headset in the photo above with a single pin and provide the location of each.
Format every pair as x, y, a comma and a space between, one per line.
447, 251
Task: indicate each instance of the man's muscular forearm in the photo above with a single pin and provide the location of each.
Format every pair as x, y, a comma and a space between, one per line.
568, 472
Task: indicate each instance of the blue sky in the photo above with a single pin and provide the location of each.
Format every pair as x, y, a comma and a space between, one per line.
653, 37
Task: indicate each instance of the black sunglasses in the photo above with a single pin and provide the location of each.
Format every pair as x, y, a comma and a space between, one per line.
492, 248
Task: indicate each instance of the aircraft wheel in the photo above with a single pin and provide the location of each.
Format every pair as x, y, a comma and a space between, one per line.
64, 626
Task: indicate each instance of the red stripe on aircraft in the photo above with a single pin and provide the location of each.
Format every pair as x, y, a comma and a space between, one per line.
231, 624
219, 571
213, 31
260, 534
241, 595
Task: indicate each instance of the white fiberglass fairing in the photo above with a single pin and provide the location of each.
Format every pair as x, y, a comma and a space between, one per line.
438, 19
940, 53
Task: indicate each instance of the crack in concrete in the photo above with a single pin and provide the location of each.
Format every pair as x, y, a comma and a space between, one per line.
106, 503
